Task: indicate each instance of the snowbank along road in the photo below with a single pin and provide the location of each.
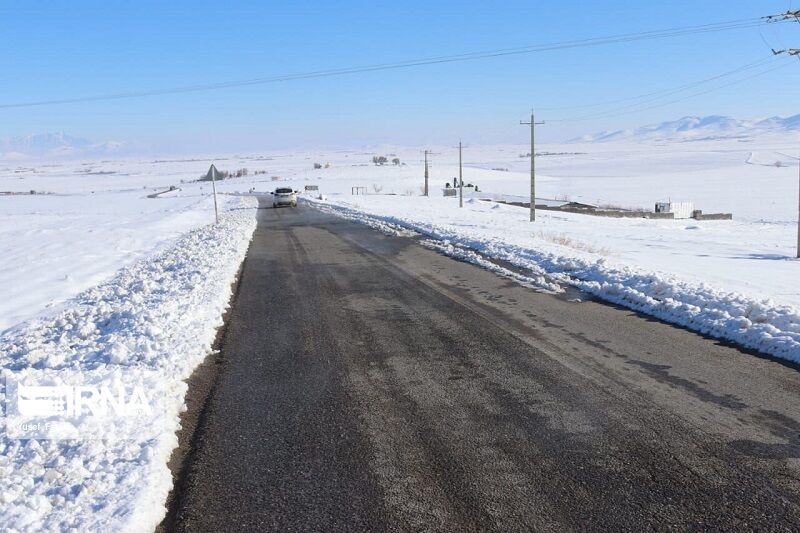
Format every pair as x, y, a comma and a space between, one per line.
369, 382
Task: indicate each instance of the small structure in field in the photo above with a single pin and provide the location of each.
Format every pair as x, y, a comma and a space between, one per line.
678, 209
580, 205
159, 193
663, 210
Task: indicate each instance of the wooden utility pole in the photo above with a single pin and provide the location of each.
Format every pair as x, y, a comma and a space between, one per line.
533, 125
460, 179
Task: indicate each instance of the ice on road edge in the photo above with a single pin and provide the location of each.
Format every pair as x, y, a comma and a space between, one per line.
160, 314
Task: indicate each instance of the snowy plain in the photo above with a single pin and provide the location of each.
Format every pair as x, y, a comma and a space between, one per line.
99, 278
753, 254
99, 275
733, 279
100, 219
89, 226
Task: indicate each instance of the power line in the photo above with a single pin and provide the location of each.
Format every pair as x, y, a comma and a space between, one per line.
662, 92
636, 109
470, 56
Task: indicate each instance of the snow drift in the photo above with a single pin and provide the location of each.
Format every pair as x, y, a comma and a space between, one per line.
159, 315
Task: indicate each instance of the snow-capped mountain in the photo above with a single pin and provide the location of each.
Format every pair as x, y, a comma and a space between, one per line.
695, 128
55, 145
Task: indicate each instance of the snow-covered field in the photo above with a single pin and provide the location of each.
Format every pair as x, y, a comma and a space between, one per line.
99, 219
99, 278
97, 275
159, 315
56, 245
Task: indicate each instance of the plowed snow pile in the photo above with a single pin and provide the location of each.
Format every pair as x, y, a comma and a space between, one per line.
758, 323
158, 315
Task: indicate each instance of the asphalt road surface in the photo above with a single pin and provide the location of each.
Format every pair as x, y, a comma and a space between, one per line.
371, 383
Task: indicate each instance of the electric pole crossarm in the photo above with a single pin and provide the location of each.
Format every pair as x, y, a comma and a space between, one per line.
784, 16
788, 51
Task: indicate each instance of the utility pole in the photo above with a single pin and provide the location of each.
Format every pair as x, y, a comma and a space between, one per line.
533, 125
213, 173
798, 205
794, 52
427, 153
460, 179
426, 173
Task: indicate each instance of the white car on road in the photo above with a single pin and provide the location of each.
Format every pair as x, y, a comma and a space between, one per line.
284, 196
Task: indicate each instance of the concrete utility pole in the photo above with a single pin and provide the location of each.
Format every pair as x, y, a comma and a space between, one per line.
533, 125
426, 173
427, 153
460, 179
213, 173
794, 52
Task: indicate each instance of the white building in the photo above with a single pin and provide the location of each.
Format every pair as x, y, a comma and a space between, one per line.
679, 209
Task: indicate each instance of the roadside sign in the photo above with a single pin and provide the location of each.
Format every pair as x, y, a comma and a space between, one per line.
212, 174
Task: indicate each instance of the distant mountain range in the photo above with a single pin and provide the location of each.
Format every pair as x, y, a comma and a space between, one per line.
55, 145
693, 128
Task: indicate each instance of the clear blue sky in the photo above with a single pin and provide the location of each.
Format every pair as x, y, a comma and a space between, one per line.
56, 49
